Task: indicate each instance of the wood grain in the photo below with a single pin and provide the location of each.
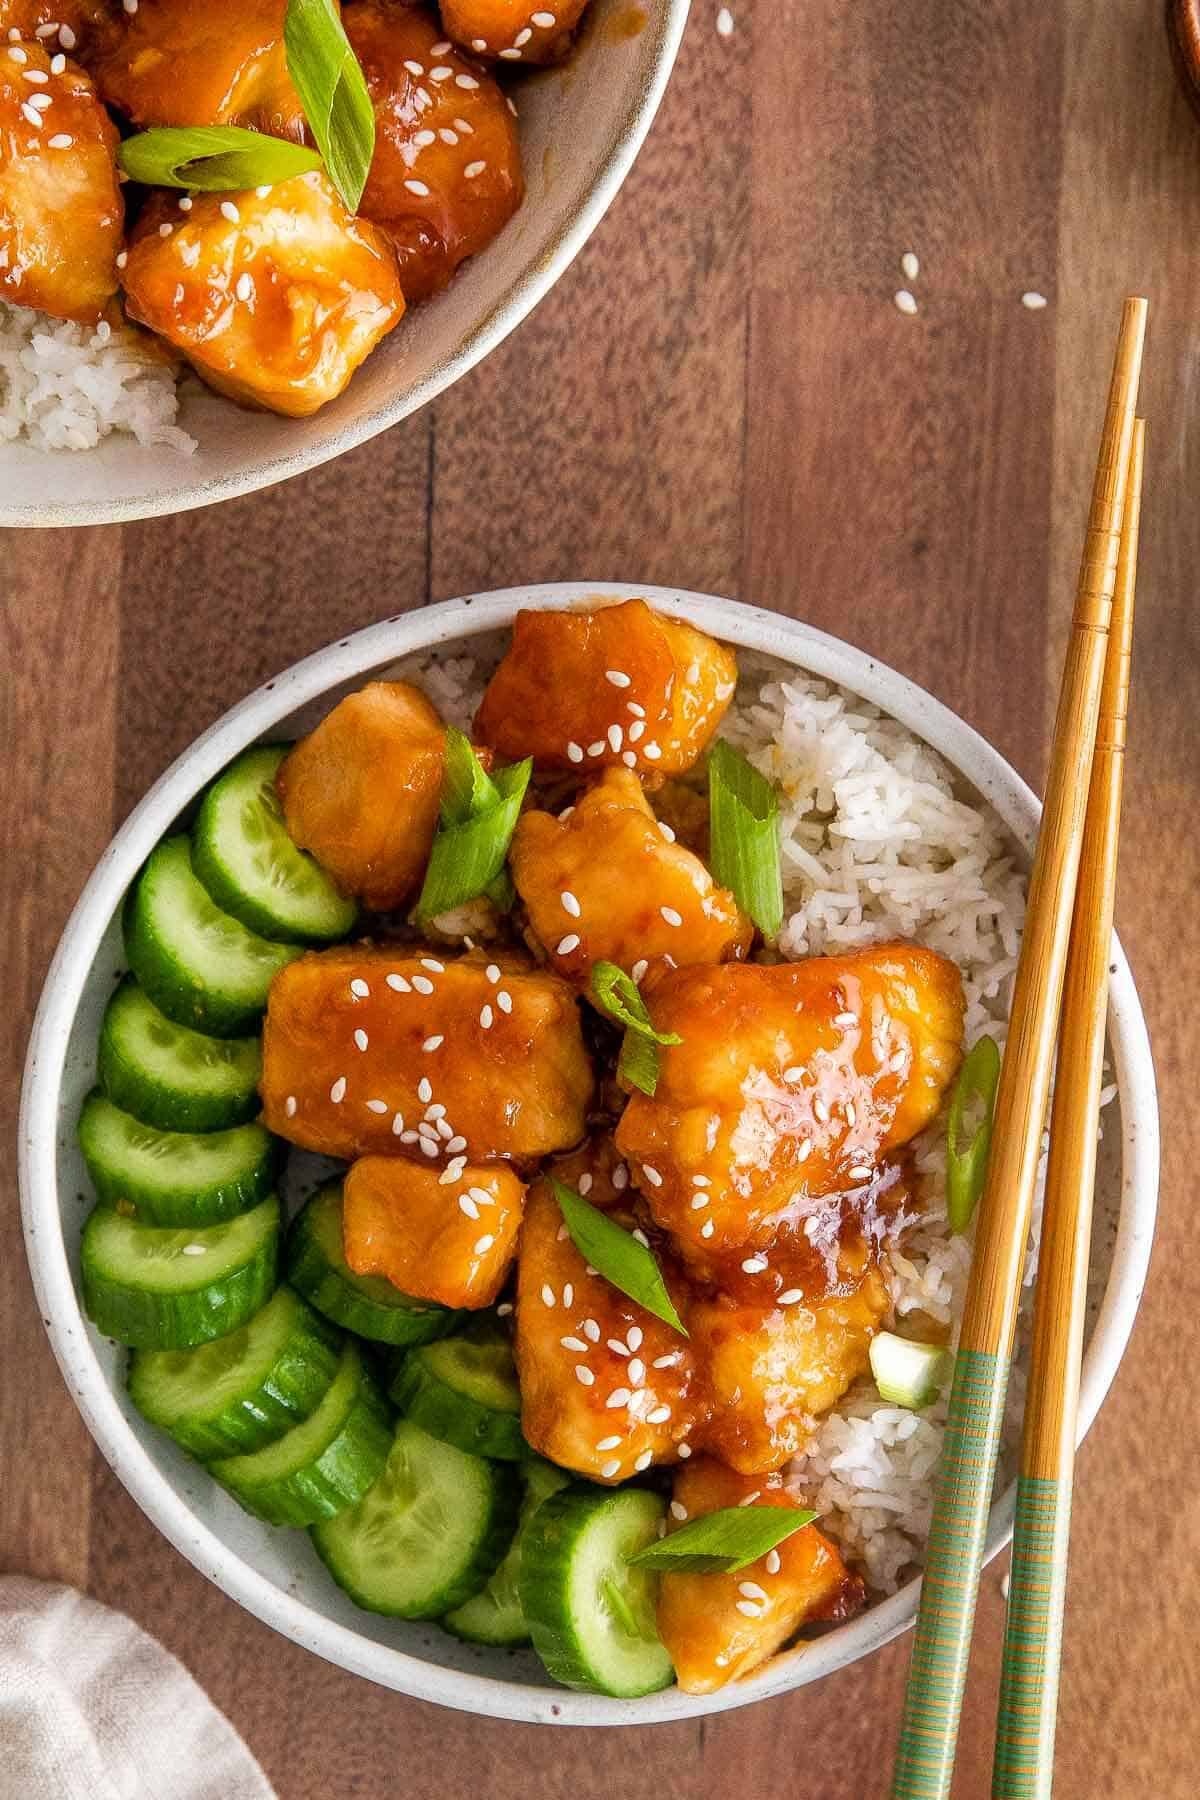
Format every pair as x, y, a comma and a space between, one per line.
721, 394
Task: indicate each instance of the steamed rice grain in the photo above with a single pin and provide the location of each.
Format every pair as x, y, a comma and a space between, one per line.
66, 386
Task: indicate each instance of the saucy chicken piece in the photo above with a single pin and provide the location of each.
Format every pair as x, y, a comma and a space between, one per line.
596, 1171
362, 791
717, 1627
274, 297
436, 1240
789, 1084
370, 1049
621, 686
446, 173
515, 31
71, 25
61, 214
174, 62
606, 1388
768, 1371
604, 882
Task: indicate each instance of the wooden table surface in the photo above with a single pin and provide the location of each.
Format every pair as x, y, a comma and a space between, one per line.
720, 394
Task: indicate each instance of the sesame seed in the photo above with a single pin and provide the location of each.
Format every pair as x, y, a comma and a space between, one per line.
651, 752
486, 1017
584, 1375
38, 77
418, 188
512, 55
821, 1109
749, 1608
504, 1001
468, 1206
431, 963
668, 1361
678, 1510
618, 677
262, 192
441, 73
585, 1184
406, 1137
130, 6
597, 748
442, 49
619, 1397
652, 1175
706, 1230
569, 903
851, 1113
620, 1178
361, 1039
575, 751
17, 55
456, 1143
430, 1147
398, 984
591, 1330
479, 43
910, 268
66, 37
422, 984
465, 81
452, 1172
484, 1244
436, 1111
636, 730
522, 38
57, 64
31, 113
398, 1124
790, 1296
617, 1347
424, 1091
464, 126
377, 1106
574, 1343
754, 1265
422, 139
447, 136
749, 1499
699, 1201
481, 1196
229, 211
629, 758
547, 1294
415, 68
905, 302
433, 1043
609, 1469
670, 915
1034, 301
359, 988
616, 737
860, 1173
193, 1249
337, 1092
493, 972
503, 1310
164, 231
473, 169
567, 944
640, 1237
289, 1106
805, 1150
752, 1591
659, 1416
683, 1451
724, 22
644, 1461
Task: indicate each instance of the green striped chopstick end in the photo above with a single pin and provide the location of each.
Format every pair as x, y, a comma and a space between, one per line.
925, 1757
1024, 1758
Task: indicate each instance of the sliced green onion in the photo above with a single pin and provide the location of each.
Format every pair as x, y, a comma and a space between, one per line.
908, 1373
212, 159
467, 788
721, 1543
638, 1063
966, 1169
743, 811
333, 92
620, 996
467, 859
620, 1257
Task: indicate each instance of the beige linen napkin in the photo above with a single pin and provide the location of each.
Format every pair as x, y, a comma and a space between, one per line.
91, 1708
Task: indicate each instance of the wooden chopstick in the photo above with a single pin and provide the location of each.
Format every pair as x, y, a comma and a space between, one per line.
1024, 1756
925, 1756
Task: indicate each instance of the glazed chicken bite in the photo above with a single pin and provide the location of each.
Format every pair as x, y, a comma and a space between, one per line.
449, 1241
275, 296
370, 1049
623, 686
61, 213
605, 882
175, 62
717, 1627
514, 31
768, 1371
790, 1083
606, 1387
446, 173
362, 790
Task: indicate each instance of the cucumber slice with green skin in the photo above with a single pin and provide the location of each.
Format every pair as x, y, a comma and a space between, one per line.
365, 1304
464, 1390
198, 964
175, 1177
495, 1615
591, 1616
246, 1389
154, 1288
318, 1468
171, 1076
430, 1533
242, 853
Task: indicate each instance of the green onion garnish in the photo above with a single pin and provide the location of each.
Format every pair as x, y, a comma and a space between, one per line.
326, 75
619, 996
721, 1543
908, 1373
638, 1062
479, 815
743, 811
212, 159
616, 1254
967, 1168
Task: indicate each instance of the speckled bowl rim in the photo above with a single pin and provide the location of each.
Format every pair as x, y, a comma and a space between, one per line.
749, 628
663, 34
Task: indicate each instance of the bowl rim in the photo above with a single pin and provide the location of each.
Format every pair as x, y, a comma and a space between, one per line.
749, 628
663, 33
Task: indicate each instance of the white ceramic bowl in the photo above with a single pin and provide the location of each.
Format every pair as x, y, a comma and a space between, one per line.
275, 1573
581, 127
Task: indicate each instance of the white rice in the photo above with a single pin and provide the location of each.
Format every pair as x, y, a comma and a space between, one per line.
65, 386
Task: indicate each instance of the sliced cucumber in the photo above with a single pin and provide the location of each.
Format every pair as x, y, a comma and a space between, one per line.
171, 1076
429, 1534
175, 1177
366, 1304
322, 1466
590, 1615
160, 1289
494, 1615
909, 1373
198, 964
242, 853
464, 1390
244, 1390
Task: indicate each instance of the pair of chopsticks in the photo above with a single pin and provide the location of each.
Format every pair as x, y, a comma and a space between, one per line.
1063, 969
